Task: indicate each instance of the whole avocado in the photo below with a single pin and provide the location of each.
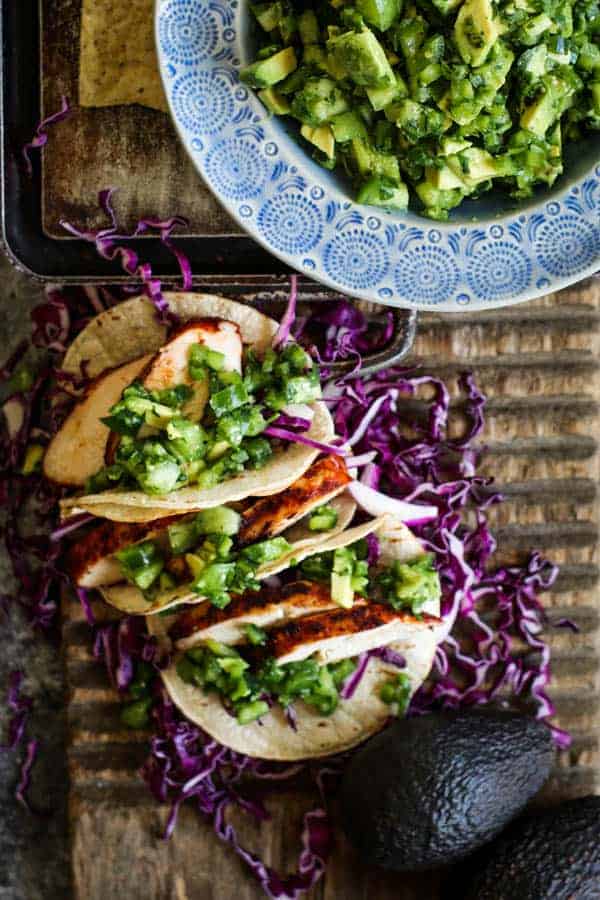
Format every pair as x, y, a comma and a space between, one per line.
430, 790
554, 855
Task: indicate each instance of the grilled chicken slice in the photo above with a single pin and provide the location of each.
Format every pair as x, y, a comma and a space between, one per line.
76, 452
169, 367
342, 633
269, 516
91, 562
262, 608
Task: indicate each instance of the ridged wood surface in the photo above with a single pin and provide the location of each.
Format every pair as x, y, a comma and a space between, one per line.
539, 365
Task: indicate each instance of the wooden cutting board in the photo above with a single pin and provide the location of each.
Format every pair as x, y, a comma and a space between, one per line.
539, 365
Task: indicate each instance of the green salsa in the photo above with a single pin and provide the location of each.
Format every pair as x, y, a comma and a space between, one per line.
161, 449
408, 585
248, 687
199, 551
432, 102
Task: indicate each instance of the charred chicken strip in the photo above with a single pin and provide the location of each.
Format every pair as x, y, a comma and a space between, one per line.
271, 515
342, 633
91, 562
263, 608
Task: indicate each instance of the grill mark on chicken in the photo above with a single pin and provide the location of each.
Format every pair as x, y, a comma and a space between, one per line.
265, 515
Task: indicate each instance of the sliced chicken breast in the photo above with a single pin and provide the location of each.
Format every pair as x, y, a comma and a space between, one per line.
263, 608
269, 516
342, 633
91, 563
169, 367
76, 452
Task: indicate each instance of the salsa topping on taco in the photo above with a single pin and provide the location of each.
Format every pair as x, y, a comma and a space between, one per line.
200, 415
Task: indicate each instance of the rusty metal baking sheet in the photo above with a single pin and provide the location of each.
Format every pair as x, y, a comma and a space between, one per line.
131, 148
539, 365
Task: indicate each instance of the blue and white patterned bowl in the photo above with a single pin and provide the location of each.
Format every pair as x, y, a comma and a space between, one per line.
488, 255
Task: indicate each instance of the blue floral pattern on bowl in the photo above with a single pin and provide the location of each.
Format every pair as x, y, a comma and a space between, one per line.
304, 214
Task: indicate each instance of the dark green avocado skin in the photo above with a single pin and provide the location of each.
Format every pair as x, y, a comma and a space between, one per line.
554, 855
430, 790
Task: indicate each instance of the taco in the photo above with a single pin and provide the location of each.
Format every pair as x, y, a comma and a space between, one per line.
209, 417
315, 665
146, 568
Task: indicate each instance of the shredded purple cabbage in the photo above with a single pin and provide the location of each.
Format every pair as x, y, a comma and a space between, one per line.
107, 243
282, 334
351, 683
284, 420
418, 463
40, 138
25, 772
20, 705
186, 765
120, 644
284, 434
386, 654
339, 331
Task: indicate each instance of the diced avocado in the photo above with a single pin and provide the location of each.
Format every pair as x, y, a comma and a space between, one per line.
275, 102
595, 89
381, 97
218, 520
314, 55
472, 166
548, 106
379, 13
295, 81
409, 34
534, 28
370, 162
438, 203
378, 191
267, 72
288, 26
426, 66
539, 115
450, 145
588, 59
383, 136
415, 120
444, 179
532, 63
476, 30
362, 57
348, 125
490, 78
321, 137
318, 101
267, 15
308, 27
342, 592
446, 6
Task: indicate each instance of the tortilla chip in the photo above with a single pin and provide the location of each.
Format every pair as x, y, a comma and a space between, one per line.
117, 60
129, 599
353, 721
